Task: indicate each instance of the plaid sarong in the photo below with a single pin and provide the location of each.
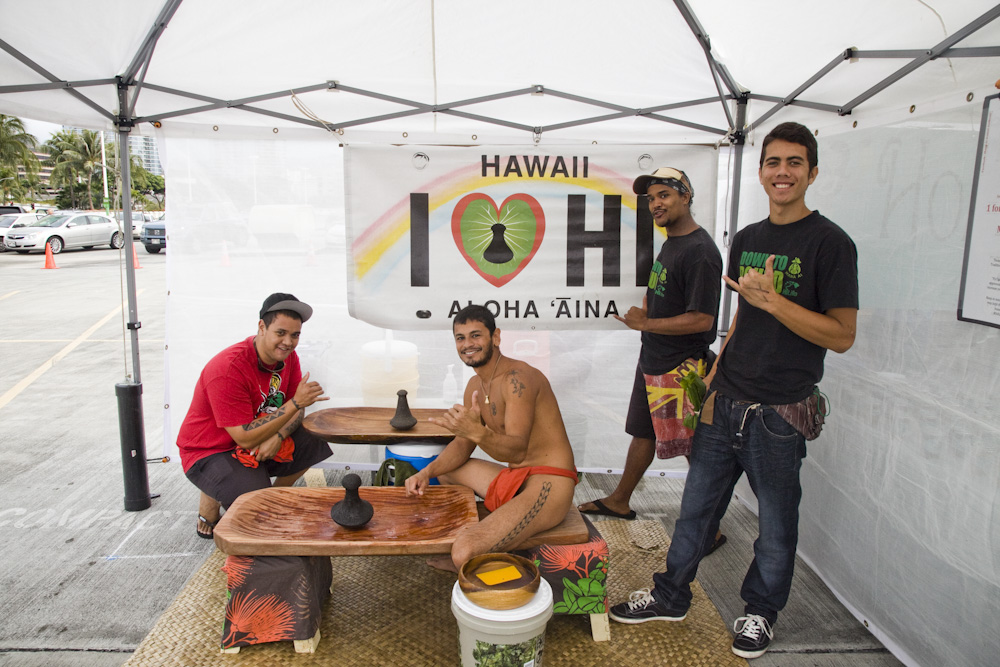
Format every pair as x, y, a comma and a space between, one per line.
668, 405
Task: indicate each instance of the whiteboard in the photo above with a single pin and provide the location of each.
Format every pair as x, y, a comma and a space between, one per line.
979, 295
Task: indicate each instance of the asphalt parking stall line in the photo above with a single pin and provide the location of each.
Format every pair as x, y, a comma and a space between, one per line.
26, 381
9, 294
146, 519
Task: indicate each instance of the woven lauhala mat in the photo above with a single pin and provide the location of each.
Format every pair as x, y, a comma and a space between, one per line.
395, 610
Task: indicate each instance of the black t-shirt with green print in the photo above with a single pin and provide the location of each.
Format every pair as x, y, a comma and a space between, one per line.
687, 276
816, 266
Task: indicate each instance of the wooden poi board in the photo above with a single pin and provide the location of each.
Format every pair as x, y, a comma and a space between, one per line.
295, 521
370, 426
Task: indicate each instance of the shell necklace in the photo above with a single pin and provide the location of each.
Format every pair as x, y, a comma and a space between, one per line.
490, 383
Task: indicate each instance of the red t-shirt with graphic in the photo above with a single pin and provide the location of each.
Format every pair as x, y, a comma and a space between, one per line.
232, 390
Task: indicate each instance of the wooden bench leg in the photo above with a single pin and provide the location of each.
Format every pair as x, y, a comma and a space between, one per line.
600, 627
307, 645
301, 645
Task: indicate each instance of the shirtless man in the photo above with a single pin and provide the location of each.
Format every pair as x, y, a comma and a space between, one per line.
511, 413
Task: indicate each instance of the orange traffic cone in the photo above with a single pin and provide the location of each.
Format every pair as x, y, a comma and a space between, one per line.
225, 255
50, 260
135, 258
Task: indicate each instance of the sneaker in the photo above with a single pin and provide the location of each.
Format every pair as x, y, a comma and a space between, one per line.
752, 637
642, 607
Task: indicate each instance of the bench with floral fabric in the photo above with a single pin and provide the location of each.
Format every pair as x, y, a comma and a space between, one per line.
573, 558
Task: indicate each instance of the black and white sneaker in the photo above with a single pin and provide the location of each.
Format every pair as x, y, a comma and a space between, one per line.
642, 607
752, 637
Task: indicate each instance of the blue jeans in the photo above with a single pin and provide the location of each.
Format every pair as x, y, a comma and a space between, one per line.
751, 438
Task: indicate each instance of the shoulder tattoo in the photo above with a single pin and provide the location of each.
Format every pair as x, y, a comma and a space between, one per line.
517, 387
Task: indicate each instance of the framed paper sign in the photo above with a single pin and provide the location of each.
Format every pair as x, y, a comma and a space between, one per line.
979, 295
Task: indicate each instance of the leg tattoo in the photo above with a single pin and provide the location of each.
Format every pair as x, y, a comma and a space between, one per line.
510, 537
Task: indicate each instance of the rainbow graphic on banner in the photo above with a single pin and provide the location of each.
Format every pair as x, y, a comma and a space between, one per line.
376, 242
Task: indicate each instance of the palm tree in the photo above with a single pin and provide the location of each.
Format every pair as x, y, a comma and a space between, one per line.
62, 175
74, 156
16, 145
61, 148
148, 203
10, 184
137, 176
31, 185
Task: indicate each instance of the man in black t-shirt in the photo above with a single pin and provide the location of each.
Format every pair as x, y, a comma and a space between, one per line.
797, 279
678, 320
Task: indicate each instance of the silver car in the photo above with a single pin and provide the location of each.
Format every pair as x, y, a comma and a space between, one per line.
66, 229
10, 221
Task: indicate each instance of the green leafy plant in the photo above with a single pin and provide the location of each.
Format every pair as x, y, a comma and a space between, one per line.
695, 389
586, 595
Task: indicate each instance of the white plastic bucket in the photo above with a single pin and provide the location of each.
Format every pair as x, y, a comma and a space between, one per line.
519, 632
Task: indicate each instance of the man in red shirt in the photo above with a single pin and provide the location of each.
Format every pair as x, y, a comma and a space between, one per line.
242, 428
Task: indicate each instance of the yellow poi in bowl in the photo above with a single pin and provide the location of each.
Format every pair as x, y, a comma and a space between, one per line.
499, 580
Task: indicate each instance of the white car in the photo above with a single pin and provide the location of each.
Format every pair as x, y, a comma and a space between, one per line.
138, 218
9, 221
66, 229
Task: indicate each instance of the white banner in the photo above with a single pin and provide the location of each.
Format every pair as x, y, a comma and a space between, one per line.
547, 238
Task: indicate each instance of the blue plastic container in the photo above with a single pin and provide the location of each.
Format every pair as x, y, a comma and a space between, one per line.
419, 455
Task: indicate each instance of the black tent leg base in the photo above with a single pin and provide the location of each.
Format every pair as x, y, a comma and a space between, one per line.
133, 441
137, 504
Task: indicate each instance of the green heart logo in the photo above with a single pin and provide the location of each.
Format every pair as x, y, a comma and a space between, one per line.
498, 241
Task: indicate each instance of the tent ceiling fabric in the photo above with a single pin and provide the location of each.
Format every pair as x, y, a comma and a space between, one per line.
439, 52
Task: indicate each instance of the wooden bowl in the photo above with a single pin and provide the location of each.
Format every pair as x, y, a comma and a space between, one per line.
506, 595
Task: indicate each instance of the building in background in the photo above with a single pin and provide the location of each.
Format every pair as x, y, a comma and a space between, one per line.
142, 147
44, 173
145, 148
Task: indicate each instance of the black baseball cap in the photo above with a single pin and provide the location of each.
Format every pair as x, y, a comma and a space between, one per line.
281, 301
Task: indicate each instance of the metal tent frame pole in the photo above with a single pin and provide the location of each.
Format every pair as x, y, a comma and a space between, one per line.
130, 419
738, 140
132, 430
124, 129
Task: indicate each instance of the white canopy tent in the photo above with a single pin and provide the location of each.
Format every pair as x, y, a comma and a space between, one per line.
901, 491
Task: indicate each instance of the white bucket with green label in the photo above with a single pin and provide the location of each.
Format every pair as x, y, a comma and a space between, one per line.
509, 637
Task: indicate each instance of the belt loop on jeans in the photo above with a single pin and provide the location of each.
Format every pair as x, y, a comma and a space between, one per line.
743, 421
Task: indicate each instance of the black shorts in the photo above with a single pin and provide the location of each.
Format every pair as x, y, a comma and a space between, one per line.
224, 478
638, 423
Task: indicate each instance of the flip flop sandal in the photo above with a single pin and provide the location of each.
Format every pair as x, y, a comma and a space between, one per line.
211, 525
604, 510
718, 543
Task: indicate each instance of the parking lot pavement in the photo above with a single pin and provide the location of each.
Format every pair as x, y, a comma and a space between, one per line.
81, 580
